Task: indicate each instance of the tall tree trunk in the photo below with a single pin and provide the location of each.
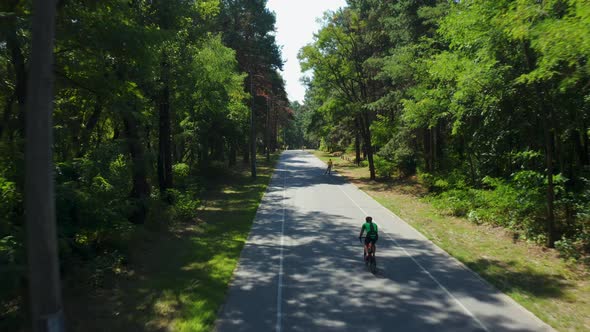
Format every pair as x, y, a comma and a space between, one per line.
559, 151
546, 115
4, 123
252, 131
165, 135
267, 136
232, 153
585, 154
367, 143
246, 153
427, 149
84, 138
219, 149
275, 136
140, 188
433, 148
18, 61
440, 144
44, 276
357, 141
551, 234
204, 162
180, 152
472, 170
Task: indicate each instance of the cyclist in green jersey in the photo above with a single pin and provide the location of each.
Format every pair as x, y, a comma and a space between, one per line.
372, 233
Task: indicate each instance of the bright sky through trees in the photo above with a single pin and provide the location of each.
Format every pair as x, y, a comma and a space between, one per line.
296, 23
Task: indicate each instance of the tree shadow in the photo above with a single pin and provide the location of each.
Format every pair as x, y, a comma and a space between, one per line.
506, 278
176, 275
326, 287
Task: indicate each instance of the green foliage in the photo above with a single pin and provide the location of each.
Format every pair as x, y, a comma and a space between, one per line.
90, 193
399, 155
572, 249
90, 214
381, 131
516, 204
484, 98
427, 180
180, 172
456, 202
185, 205
342, 76
11, 207
384, 167
9, 248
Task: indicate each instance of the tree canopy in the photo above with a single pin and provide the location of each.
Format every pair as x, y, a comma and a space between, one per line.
479, 98
150, 96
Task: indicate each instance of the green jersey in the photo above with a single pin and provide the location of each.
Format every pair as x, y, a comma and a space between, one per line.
371, 229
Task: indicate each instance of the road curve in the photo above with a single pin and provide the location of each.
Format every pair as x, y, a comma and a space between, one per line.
301, 268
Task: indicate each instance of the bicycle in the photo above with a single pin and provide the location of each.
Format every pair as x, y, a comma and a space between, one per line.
370, 261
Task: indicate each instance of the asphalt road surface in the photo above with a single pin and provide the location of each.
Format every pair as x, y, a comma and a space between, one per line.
302, 269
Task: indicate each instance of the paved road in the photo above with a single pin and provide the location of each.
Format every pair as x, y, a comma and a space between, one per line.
302, 269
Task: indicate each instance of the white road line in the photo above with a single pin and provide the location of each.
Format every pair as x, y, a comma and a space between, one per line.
423, 269
280, 281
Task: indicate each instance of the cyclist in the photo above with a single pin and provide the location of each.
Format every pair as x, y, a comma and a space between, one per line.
372, 234
329, 169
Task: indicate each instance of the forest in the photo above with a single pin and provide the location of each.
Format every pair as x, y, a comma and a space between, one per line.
486, 103
150, 98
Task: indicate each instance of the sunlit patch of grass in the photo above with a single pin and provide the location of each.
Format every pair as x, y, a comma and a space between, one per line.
551, 288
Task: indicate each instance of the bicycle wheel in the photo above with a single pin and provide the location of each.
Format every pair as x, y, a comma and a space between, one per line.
373, 264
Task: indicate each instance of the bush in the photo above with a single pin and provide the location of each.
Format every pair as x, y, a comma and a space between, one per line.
9, 249
441, 184
455, 202
569, 248
92, 205
185, 204
427, 180
180, 174
383, 167
399, 155
11, 209
516, 204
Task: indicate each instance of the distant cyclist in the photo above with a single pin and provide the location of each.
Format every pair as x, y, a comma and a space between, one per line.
329, 169
372, 234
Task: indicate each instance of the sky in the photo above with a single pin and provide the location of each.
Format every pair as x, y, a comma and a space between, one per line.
296, 24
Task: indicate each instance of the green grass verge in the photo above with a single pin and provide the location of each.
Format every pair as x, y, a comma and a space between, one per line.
555, 290
176, 279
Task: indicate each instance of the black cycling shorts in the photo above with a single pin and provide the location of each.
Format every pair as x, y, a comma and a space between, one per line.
370, 240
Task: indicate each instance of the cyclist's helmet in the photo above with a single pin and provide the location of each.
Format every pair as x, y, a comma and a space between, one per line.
369, 219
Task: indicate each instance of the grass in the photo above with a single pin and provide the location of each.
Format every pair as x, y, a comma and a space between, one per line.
177, 278
556, 291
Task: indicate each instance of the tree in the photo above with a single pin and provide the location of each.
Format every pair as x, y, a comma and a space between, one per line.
337, 59
44, 275
248, 27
